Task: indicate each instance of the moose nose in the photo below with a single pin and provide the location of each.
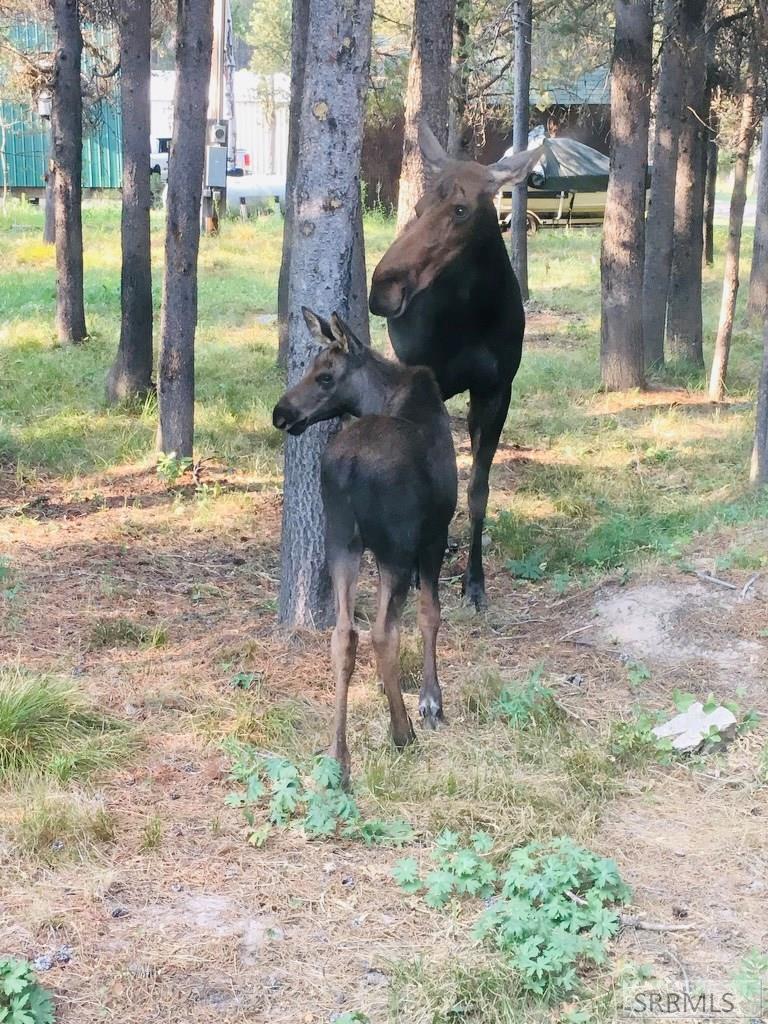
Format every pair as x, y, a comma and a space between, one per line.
388, 298
282, 416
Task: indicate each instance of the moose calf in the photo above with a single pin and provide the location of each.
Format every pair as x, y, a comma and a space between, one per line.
389, 485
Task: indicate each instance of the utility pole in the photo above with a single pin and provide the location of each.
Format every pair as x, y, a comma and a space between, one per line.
216, 149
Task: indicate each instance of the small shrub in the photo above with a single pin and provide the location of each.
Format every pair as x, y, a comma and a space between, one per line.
170, 468
23, 1000
550, 913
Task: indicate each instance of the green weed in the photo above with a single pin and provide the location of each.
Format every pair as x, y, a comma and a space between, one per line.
57, 824
23, 1000
553, 911
273, 793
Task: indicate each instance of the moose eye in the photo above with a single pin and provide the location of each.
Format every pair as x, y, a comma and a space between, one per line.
324, 380
460, 212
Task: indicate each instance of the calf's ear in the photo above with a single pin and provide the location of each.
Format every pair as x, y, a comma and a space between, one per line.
319, 328
346, 336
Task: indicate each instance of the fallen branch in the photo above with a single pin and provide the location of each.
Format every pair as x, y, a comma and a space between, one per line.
707, 578
573, 632
636, 922
750, 582
632, 921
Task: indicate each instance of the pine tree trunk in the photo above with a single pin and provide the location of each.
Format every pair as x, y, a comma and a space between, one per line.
299, 25
131, 372
518, 236
321, 274
758, 278
661, 210
426, 99
621, 265
176, 371
684, 319
759, 468
710, 189
67, 132
722, 351
461, 136
49, 222
710, 146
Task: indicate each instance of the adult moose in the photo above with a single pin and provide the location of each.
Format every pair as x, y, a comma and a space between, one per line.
389, 485
453, 303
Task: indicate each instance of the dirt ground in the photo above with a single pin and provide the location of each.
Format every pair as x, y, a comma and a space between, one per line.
203, 928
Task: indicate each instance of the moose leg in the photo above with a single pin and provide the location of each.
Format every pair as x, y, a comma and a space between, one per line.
393, 589
430, 697
344, 572
487, 414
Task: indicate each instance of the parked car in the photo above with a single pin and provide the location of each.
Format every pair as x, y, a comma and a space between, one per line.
567, 187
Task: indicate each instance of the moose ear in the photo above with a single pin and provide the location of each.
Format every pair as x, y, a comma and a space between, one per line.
434, 155
346, 336
319, 328
511, 170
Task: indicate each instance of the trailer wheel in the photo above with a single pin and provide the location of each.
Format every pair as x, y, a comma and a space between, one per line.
532, 223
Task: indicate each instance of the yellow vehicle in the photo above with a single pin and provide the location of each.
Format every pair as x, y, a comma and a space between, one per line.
567, 187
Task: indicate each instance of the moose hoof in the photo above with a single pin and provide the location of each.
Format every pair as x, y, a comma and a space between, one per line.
402, 738
474, 594
431, 713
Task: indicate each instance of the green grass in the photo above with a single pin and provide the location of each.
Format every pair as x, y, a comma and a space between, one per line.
57, 825
607, 480
47, 731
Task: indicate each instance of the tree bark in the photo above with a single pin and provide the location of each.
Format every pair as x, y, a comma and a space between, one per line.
131, 372
176, 373
710, 146
710, 188
321, 274
758, 279
518, 235
299, 25
621, 265
49, 222
722, 351
67, 132
461, 136
684, 319
759, 469
661, 211
426, 98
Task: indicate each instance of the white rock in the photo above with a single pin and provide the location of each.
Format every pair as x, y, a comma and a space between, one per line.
689, 729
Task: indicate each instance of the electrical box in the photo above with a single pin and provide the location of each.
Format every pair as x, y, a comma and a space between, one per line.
215, 167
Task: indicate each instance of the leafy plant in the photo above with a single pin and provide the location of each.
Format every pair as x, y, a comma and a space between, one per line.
458, 870
637, 673
531, 704
550, 913
751, 977
170, 468
532, 567
23, 1000
319, 805
353, 1017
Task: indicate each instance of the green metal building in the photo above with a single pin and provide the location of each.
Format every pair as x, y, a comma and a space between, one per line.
25, 136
